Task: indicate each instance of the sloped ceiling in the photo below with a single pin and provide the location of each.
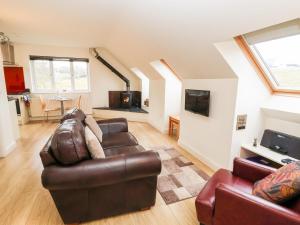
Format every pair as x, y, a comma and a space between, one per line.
140, 31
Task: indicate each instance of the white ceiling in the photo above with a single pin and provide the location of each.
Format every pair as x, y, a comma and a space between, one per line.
140, 31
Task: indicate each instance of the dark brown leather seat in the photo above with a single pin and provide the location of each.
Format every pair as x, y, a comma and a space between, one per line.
123, 150
119, 139
84, 189
227, 199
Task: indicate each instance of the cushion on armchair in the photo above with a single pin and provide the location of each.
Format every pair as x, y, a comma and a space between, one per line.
280, 186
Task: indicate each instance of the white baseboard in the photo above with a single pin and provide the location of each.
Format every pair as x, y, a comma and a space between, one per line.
8, 149
158, 128
130, 116
213, 165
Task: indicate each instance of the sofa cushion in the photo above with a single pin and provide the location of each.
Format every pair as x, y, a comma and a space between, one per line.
123, 150
93, 125
93, 144
118, 140
205, 201
74, 113
68, 143
280, 186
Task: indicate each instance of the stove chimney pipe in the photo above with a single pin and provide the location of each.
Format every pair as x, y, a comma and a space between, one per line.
112, 69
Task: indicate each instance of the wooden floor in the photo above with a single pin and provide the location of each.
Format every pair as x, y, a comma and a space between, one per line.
23, 200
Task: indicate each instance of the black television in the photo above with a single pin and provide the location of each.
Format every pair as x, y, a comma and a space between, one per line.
197, 101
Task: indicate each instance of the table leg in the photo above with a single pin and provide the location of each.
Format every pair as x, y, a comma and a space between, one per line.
62, 109
170, 127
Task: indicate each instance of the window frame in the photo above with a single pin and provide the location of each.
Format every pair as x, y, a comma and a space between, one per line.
261, 68
53, 87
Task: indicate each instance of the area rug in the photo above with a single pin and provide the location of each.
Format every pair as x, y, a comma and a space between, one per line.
179, 179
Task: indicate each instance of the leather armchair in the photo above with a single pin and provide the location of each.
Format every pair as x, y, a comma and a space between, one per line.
227, 199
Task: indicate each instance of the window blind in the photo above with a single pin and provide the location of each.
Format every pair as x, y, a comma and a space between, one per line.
281, 30
53, 58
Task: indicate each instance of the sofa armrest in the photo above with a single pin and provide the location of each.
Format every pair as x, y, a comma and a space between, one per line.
235, 207
115, 125
250, 171
100, 172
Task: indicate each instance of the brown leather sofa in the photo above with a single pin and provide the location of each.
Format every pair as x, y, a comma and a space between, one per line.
86, 189
226, 199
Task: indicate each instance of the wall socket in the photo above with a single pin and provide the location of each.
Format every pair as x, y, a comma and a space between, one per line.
241, 122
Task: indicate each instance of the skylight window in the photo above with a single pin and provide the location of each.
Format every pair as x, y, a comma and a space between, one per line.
275, 51
281, 59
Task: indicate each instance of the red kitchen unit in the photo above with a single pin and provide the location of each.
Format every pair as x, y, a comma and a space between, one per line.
14, 79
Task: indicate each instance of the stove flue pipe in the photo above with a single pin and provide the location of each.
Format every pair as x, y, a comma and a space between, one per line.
115, 71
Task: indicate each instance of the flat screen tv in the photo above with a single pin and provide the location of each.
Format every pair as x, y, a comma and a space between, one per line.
197, 101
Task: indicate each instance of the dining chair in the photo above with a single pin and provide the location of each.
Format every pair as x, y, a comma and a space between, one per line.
76, 102
48, 106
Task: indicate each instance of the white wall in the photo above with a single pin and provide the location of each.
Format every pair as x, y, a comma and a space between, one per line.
145, 85
210, 138
157, 104
102, 79
284, 126
173, 88
251, 94
7, 140
282, 113
173, 99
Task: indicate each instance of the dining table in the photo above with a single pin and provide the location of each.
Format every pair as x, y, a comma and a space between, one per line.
62, 99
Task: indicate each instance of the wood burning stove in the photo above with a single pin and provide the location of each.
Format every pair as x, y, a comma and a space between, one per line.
126, 100
121, 99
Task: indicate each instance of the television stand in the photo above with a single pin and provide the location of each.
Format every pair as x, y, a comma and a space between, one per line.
248, 150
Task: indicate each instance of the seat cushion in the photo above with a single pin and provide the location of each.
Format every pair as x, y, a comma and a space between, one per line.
118, 140
123, 150
205, 201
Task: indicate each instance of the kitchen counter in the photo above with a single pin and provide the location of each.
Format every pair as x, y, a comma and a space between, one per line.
11, 98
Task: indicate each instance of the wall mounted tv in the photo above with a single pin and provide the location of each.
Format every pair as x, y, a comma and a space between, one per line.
197, 101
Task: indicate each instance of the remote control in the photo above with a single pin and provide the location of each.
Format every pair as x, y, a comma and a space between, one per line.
287, 161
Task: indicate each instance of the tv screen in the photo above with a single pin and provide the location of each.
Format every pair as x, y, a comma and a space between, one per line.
197, 101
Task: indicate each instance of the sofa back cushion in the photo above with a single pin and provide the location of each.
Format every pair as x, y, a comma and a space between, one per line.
74, 113
68, 143
46, 154
92, 124
93, 144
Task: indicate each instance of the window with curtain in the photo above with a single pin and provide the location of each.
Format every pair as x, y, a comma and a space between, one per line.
277, 49
59, 74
